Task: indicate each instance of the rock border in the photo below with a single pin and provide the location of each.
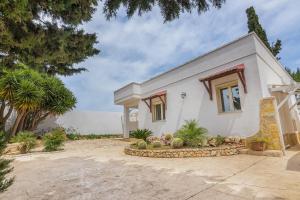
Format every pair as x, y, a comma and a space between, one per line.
185, 153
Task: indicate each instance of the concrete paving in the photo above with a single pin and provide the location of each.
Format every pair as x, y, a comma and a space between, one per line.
98, 169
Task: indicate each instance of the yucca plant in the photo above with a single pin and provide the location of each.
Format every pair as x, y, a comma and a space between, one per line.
141, 134
191, 133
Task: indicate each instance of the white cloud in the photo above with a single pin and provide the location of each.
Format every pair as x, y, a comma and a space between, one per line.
138, 48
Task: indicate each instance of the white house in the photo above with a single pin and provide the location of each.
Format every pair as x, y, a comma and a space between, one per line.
221, 89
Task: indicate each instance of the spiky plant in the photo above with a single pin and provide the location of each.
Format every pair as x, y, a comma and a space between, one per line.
5, 167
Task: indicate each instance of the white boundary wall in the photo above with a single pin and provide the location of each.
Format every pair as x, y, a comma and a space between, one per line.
86, 122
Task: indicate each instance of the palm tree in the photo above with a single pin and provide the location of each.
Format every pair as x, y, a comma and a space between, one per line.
28, 98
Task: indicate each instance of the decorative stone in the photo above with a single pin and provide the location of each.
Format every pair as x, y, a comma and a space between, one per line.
184, 153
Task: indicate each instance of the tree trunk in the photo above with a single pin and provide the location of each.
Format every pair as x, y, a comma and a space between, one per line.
38, 121
16, 124
21, 124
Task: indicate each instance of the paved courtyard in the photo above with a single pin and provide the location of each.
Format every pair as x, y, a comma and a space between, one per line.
98, 169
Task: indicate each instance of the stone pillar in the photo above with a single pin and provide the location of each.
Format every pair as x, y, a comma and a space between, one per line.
126, 122
269, 126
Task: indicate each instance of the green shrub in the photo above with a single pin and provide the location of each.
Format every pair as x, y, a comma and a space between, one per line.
220, 140
191, 134
177, 143
156, 144
26, 139
169, 137
54, 140
142, 145
5, 166
73, 136
141, 133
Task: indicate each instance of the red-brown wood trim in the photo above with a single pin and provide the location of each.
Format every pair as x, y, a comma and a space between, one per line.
151, 105
208, 88
159, 95
242, 79
147, 103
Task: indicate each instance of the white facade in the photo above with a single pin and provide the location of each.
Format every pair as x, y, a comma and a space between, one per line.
262, 71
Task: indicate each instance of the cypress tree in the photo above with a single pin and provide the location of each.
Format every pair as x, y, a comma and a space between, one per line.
255, 26
45, 35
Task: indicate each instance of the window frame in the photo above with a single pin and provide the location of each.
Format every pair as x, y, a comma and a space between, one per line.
228, 86
156, 102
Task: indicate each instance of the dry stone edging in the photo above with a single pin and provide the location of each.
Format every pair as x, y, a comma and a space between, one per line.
185, 153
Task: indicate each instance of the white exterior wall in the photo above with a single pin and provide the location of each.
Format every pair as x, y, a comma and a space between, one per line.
86, 122
197, 104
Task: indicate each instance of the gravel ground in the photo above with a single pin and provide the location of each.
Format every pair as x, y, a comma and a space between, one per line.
98, 169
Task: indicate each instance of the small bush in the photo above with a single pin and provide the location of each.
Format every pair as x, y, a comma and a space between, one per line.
177, 143
220, 140
191, 134
142, 145
54, 140
169, 137
27, 141
156, 144
141, 133
73, 136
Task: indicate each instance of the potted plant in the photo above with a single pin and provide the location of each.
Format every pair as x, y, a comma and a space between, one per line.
259, 143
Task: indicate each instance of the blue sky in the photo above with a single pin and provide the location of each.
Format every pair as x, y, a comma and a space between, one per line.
138, 48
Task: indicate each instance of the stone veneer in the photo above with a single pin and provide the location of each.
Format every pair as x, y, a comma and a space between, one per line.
269, 127
185, 153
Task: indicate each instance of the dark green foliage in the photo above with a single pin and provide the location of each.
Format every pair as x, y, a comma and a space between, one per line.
5, 167
170, 10
141, 134
45, 35
54, 140
255, 26
35, 96
191, 133
73, 136
26, 139
294, 74
220, 140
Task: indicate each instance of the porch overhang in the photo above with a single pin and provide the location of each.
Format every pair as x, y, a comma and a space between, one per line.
160, 95
238, 69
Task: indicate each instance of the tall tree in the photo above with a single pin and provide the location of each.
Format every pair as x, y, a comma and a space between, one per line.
33, 96
44, 34
170, 9
255, 26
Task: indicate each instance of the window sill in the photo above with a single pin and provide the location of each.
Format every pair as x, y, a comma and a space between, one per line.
157, 121
230, 112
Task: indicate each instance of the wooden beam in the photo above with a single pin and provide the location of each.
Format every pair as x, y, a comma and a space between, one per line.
242, 78
208, 88
147, 103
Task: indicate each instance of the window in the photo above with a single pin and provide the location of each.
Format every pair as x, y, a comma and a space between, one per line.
158, 111
229, 98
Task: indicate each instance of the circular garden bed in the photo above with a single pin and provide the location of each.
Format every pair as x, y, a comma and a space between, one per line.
224, 150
